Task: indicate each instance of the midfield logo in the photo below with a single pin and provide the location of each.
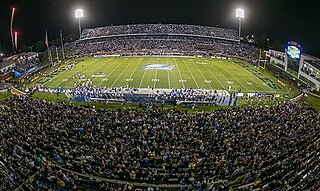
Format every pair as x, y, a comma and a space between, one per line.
158, 67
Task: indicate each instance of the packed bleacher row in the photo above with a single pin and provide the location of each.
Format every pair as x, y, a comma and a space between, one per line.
166, 29
26, 65
22, 66
190, 95
173, 97
268, 148
87, 93
158, 43
6, 70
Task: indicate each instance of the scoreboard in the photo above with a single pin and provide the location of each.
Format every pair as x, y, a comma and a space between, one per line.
294, 50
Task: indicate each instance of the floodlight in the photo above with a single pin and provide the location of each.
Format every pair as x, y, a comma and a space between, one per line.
79, 13
240, 16
1, 54
240, 13
79, 16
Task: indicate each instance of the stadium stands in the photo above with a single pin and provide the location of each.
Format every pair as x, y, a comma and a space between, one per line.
63, 147
55, 146
155, 37
163, 29
25, 66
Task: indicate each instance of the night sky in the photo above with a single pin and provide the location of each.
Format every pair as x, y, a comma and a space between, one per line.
281, 19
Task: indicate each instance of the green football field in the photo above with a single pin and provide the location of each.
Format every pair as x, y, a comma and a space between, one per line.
165, 73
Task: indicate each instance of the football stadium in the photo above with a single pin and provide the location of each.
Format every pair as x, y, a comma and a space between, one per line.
165, 73
156, 107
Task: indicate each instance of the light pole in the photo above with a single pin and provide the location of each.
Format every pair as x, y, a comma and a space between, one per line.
240, 16
79, 15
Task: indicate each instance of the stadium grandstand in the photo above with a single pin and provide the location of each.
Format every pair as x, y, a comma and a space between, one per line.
157, 37
82, 148
161, 29
159, 107
77, 148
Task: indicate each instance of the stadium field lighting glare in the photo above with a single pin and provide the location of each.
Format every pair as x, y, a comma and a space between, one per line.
240, 16
79, 15
240, 13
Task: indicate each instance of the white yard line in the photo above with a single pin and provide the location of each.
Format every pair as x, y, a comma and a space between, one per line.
156, 75
237, 80
67, 73
168, 74
155, 81
143, 75
179, 73
191, 73
115, 61
102, 65
215, 76
135, 70
203, 75
142, 78
230, 79
255, 81
121, 73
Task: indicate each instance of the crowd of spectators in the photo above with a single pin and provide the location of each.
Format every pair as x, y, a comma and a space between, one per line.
164, 29
175, 96
6, 70
313, 72
274, 147
93, 92
152, 42
26, 65
193, 95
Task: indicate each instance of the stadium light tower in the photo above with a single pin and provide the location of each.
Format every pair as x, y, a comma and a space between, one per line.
240, 16
79, 15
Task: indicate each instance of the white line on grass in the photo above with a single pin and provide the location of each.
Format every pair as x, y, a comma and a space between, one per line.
155, 81
250, 74
156, 75
203, 76
135, 70
107, 77
168, 74
143, 74
179, 73
205, 65
229, 79
94, 65
191, 73
65, 73
122, 72
69, 72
